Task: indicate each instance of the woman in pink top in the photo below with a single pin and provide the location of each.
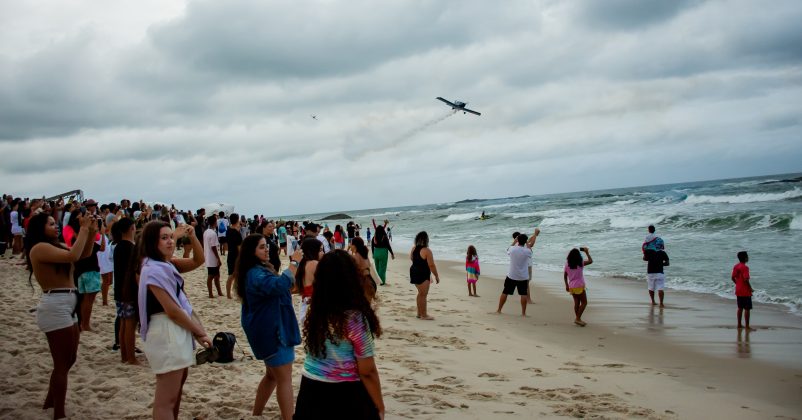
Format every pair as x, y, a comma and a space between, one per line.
575, 281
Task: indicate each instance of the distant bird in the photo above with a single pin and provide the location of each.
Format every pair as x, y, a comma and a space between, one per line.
314, 117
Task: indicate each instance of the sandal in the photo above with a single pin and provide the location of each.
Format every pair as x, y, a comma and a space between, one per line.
207, 355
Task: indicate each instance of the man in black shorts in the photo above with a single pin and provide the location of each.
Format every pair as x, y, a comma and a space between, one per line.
234, 240
518, 273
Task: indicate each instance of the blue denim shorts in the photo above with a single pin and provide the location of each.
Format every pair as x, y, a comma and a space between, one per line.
283, 356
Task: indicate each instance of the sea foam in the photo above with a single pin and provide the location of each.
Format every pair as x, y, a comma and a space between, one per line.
743, 198
460, 217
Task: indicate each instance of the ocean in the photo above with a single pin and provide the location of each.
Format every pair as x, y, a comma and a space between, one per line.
704, 224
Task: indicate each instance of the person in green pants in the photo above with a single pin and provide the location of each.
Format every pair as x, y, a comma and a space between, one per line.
380, 246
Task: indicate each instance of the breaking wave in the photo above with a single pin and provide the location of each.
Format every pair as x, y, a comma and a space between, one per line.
743, 198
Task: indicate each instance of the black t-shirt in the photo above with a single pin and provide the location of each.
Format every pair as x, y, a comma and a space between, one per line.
88, 264
656, 261
350, 230
200, 227
234, 240
272, 251
122, 260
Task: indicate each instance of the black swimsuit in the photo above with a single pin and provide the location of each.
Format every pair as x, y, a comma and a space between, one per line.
419, 272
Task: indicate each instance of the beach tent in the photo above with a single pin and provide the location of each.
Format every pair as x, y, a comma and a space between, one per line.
214, 208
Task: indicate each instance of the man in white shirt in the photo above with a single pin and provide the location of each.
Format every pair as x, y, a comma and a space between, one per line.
210, 246
518, 273
313, 231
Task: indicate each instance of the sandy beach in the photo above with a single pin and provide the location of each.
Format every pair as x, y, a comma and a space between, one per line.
630, 361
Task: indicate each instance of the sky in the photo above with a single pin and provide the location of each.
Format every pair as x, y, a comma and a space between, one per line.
192, 102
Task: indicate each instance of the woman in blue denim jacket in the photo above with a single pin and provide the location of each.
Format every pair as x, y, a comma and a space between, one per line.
268, 319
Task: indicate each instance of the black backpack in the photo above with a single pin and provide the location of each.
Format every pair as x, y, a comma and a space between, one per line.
225, 342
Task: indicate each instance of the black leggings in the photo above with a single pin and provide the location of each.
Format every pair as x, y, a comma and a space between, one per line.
321, 400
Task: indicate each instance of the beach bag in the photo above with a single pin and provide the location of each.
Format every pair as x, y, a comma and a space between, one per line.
225, 342
221, 227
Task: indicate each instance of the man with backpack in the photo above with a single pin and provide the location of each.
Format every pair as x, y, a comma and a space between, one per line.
222, 229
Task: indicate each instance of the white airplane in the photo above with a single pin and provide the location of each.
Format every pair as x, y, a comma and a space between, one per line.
458, 106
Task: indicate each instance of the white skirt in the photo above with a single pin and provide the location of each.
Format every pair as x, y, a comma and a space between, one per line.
168, 346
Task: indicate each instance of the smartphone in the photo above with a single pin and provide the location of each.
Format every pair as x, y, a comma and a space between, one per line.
99, 224
83, 210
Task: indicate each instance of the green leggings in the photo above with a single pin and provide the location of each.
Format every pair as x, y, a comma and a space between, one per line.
380, 261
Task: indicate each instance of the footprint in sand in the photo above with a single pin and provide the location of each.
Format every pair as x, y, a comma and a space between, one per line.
482, 396
406, 398
538, 372
493, 376
437, 387
614, 365
451, 380
443, 405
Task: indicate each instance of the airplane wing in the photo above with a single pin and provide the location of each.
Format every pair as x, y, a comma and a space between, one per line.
446, 101
472, 112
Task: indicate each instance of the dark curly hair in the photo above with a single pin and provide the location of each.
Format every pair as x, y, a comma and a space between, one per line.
338, 290
574, 259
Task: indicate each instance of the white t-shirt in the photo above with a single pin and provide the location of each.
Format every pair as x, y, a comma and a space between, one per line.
520, 258
209, 241
290, 242
326, 245
105, 258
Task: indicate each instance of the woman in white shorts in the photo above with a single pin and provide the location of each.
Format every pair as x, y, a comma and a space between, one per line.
51, 263
16, 228
167, 325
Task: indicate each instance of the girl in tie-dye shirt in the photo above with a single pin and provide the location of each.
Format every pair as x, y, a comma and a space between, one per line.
472, 270
340, 379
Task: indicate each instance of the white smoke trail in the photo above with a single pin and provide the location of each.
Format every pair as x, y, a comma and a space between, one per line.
420, 128
384, 145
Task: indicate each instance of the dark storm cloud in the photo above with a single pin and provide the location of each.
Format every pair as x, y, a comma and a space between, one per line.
259, 40
223, 92
630, 14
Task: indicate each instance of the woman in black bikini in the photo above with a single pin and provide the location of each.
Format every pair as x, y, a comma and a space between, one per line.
421, 271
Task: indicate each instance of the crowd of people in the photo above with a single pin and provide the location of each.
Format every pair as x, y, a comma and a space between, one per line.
78, 249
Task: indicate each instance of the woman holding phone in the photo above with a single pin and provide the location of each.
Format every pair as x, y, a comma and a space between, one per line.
51, 262
268, 320
167, 322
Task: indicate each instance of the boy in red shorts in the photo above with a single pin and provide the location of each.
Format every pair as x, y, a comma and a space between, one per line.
743, 289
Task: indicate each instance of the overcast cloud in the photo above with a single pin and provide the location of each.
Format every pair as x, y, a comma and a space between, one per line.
191, 102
